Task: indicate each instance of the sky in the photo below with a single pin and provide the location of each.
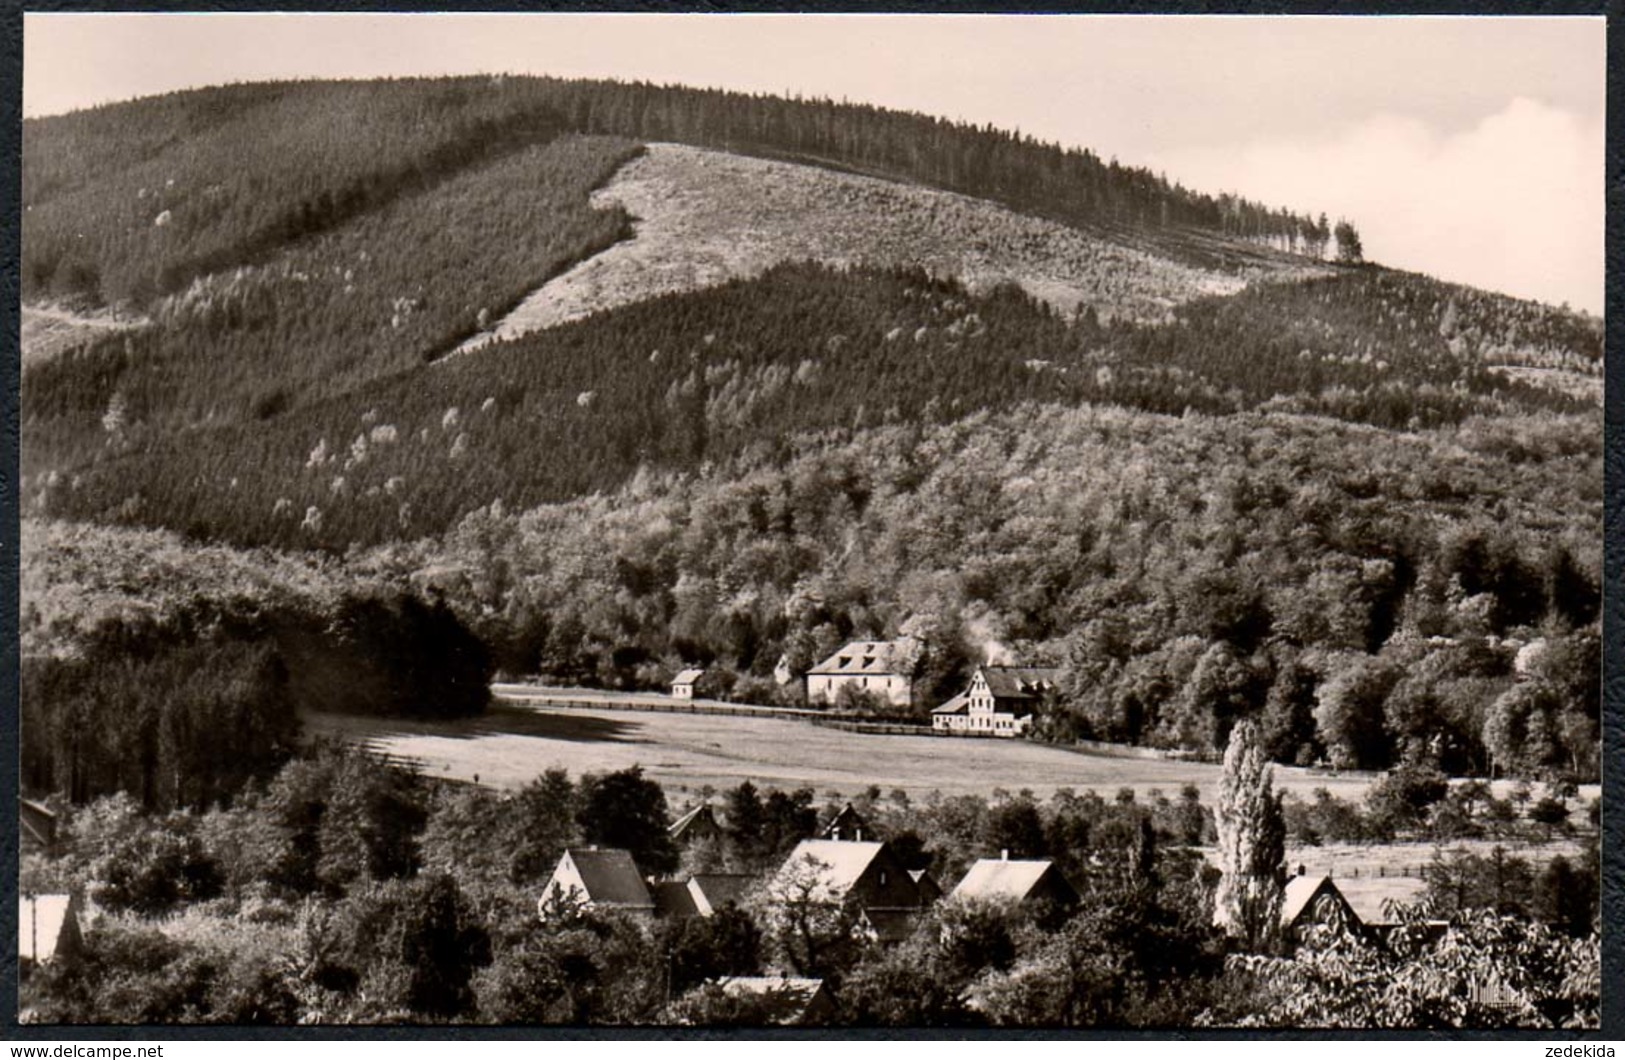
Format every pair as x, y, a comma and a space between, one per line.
1469, 148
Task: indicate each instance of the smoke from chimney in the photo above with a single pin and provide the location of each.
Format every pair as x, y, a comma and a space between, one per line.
979, 631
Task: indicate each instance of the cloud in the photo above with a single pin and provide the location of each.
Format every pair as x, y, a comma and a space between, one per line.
1515, 203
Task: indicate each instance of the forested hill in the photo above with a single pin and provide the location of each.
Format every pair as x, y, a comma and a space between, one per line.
737, 373
301, 252
1300, 483
130, 201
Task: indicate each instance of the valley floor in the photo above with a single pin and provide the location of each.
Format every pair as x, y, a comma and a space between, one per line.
513, 744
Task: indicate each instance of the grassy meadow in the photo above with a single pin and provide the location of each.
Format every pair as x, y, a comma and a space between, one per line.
510, 746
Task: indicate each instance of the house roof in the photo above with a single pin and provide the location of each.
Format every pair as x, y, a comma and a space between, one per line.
846, 817
1364, 902
702, 814
865, 657
927, 883
611, 877
993, 878
714, 890
1300, 890
960, 704
1019, 682
674, 899
38, 821
688, 677
788, 998
40, 920
838, 866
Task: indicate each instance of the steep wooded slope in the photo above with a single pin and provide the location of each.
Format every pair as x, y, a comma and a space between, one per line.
291, 240
386, 291
131, 201
737, 372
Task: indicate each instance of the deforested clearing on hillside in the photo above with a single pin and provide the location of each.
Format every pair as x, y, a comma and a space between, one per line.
705, 217
50, 329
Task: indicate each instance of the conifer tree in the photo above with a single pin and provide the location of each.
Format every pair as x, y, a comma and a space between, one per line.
1349, 249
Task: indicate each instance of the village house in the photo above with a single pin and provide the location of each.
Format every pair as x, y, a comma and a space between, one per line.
704, 894
1031, 882
673, 900
1315, 901
881, 668
601, 880
847, 826
999, 701
929, 889
784, 1002
684, 684
698, 824
1372, 897
865, 877
716, 891
47, 930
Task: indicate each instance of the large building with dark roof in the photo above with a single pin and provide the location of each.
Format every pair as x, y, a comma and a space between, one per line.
882, 668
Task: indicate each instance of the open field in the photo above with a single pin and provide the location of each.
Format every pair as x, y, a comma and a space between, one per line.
511, 745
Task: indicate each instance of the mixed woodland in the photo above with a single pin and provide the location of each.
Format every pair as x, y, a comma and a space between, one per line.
1359, 509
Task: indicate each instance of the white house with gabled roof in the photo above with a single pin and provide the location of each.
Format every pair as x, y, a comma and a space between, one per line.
999, 701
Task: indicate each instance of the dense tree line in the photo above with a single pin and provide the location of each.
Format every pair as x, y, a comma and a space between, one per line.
173, 722
1414, 802
185, 710
687, 382
1068, 184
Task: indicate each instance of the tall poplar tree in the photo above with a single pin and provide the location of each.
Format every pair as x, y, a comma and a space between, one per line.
1252, 843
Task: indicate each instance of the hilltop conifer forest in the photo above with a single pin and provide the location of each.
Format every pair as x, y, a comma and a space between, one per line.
268, 481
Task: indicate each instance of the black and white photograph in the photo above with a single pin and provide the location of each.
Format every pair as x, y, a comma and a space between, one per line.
855, 522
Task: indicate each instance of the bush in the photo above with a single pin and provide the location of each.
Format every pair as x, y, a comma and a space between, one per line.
1549, 812
1399, 801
